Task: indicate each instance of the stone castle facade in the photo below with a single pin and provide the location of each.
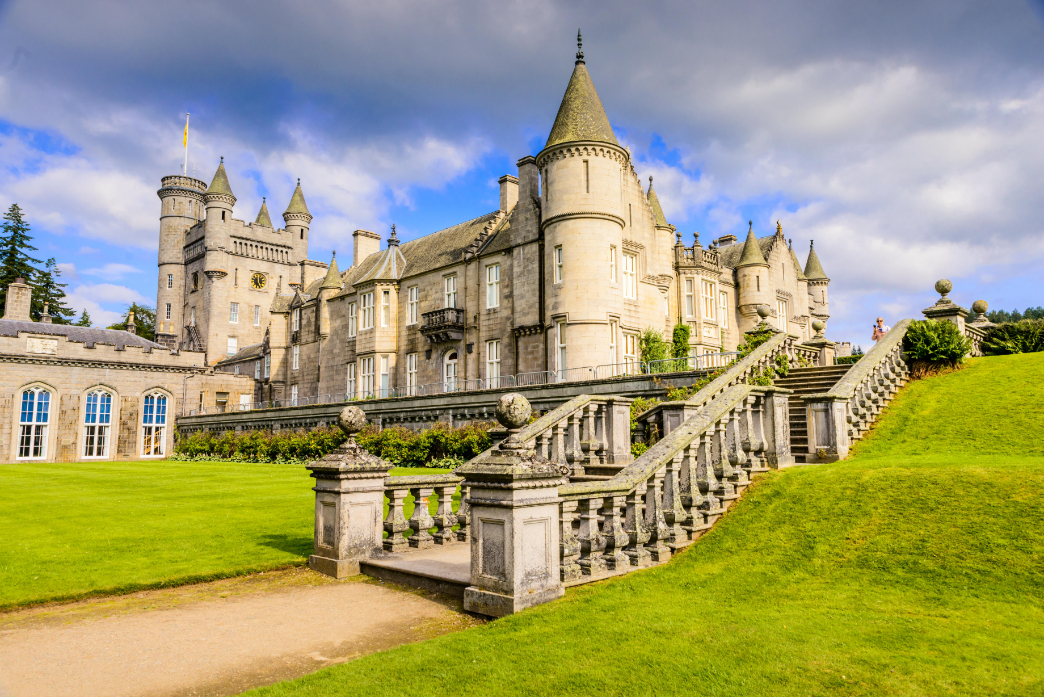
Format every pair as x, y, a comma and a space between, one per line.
556, 284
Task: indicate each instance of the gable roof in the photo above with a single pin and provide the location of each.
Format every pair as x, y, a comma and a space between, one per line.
581, 115
252, 351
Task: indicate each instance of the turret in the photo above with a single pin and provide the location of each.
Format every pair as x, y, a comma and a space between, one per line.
262, 215
181, 207
752, 282
297, 219
219, 199
817, 285
582, 168
327, 289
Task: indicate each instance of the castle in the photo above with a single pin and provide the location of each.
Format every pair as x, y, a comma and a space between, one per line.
556, 284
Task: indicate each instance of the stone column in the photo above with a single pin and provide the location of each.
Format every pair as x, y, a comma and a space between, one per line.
349, 502
515, 526
944, 307
827, 428
618, 430
775, 414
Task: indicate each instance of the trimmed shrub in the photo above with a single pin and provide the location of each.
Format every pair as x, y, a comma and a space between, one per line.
652, 346
933, 344
680, 336
1025, 336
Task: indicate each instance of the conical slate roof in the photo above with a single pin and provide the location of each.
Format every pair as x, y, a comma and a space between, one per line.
581, 116
813, 269
219, 185
297, 202
752, 255
797, 264
262, 215
333, 276
658, 217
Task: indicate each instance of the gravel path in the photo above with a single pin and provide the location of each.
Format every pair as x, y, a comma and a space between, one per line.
211, 639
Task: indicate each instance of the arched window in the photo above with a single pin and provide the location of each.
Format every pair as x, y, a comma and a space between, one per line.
154, 421
32, 436
449, 372
97, 417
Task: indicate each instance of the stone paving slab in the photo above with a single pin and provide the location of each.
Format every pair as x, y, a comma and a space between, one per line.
441, 569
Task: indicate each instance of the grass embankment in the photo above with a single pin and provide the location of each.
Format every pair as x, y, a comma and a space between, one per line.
70, 530
916, 567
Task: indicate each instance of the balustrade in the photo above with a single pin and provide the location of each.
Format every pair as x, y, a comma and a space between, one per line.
421, 522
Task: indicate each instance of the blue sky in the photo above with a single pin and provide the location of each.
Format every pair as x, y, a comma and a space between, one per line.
905, 138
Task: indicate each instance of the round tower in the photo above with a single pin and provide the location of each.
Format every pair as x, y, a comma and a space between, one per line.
181, 207
817, 285
219, 201
752, 283
582, 168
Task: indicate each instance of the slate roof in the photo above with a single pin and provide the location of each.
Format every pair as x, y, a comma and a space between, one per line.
219, 185
797, 265
658, 217
813, 269
252, 351
730, 255
752, 254
297, 202
83, 335
262, 215
333, 275
581, 115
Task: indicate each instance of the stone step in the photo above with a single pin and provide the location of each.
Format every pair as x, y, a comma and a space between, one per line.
442, 569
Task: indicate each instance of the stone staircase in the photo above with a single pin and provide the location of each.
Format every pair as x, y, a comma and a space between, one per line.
806, 381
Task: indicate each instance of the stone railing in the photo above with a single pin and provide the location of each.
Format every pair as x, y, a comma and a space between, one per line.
842, 415
739, 372
806, 355
977, 334
671, 494
587, 431
421, 522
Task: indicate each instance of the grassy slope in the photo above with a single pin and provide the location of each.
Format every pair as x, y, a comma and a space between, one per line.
916, 567
74, 529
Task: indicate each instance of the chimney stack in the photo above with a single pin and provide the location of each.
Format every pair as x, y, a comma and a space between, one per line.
364, 243
19, 297
131, 326
45, 316
508, 192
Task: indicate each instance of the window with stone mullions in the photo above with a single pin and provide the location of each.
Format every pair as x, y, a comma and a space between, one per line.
412, 303
493, 285
352, 320
630, 274
450, 287
154, 424
385, 308
233, 313
97, 415
493, 364
708, 300
559, 271
367, 311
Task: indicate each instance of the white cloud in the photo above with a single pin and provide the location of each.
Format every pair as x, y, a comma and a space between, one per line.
113, 271
104, 302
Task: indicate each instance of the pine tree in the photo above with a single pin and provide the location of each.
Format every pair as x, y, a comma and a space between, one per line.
144, 318
15, 261
49, 290
84, 321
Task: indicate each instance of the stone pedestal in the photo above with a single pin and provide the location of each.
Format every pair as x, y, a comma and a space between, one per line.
776, 427
827, 428
349, 504
515, 531
826, 349
944, 308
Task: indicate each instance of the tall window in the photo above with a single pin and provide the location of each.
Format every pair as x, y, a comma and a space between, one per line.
492, 364
367, 311
630, 349
493, 285
97, 416
293, 395
192, 317
257, 370
612, 263
690, 297
385, 378
666, 305
168, 310
411, 374
170, 280
723, 309
352, 320
350, 388
587, 178
412, 304
233, 346
366, 376
449, 372
295, 319
560, 344
154, 424
630, 276
450, 286
233, 313
257, 315
613, 359
558, 263
385, 308
781, 315
268, 365
708, 300
297, 357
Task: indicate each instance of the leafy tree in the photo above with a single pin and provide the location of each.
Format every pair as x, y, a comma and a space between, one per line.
49, 290
15, 243
652, 346
1002, 316
144, 318
84, 321
681, 340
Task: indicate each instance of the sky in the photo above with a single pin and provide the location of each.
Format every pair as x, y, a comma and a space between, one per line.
905, 138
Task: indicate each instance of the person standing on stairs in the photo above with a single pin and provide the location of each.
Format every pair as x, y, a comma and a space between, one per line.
880, 329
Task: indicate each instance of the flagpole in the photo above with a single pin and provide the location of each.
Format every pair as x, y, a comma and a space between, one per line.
186, 144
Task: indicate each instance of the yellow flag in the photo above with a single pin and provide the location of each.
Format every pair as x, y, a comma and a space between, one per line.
184, 141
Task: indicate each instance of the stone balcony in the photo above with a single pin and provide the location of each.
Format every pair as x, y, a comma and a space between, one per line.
446, 324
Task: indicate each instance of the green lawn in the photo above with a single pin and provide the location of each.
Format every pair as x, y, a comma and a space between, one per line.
916, 567
73, 529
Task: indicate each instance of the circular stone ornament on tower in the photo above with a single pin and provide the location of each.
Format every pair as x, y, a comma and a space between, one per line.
942, 287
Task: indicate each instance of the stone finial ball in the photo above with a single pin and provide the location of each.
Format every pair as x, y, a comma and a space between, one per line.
943, 286
764, 311
818, 325
980, 306
513, 410
351, 420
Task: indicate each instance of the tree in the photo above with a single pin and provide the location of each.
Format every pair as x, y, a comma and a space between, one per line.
1002, 316
49, 290
144, 318
84, 321
681, 340
652, 346
15, 261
